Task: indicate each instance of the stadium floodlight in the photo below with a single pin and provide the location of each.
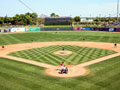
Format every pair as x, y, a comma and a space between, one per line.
118, 11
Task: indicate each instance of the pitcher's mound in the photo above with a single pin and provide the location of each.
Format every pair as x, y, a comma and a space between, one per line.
72, 72
63, 52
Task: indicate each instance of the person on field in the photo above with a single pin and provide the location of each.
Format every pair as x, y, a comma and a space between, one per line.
32, 41
62, 64
115, 45
64, 69
3, 47
63, 49
83, 39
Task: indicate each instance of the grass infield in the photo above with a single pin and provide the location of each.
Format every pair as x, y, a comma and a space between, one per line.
46, 54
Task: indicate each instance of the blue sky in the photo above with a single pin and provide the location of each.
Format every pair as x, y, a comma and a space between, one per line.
83, 8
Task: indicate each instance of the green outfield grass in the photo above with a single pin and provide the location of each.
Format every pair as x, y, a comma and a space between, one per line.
6, 39
79, 55
19, 76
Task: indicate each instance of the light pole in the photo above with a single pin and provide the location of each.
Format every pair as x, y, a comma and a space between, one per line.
99, 15
118, 11
109, 15
71, 23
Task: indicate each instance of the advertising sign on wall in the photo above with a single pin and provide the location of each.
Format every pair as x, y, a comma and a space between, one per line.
77, 28
34, 29
117, 29
111, 29
101, 29
17, 30
87, 28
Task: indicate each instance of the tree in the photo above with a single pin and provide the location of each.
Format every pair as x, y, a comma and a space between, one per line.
96, 19
41, 20
72, 19
25, 19
77, 19
28, 20
34, 17
1, 20
6, 19
53, 15
57, 15
16, 19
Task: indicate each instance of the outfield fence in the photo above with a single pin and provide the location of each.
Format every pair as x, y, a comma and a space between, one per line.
33, 29
57, 29
29, 29
96, 29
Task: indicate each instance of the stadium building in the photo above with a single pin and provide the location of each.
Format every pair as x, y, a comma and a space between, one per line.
58, 20
87, 19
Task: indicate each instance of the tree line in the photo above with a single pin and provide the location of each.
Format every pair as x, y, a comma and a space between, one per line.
20, 19
33, 19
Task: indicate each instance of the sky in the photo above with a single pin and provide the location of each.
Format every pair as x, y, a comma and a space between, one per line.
83, 8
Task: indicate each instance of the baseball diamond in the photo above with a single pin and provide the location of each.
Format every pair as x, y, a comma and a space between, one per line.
92, 64
59, 45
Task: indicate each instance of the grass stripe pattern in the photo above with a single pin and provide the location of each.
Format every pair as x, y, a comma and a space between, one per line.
6, 39
19, 76
46, 54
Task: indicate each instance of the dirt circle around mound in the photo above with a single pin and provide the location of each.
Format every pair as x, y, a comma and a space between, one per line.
72, 72
62, 52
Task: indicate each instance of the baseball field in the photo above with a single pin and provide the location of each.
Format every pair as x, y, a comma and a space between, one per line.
93, 63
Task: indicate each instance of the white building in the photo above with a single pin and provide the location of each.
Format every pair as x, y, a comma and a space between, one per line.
87, 19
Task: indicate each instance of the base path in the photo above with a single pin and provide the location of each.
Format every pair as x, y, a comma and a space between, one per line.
28, 61
74, 71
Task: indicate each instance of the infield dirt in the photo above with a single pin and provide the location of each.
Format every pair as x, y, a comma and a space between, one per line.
74, 71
